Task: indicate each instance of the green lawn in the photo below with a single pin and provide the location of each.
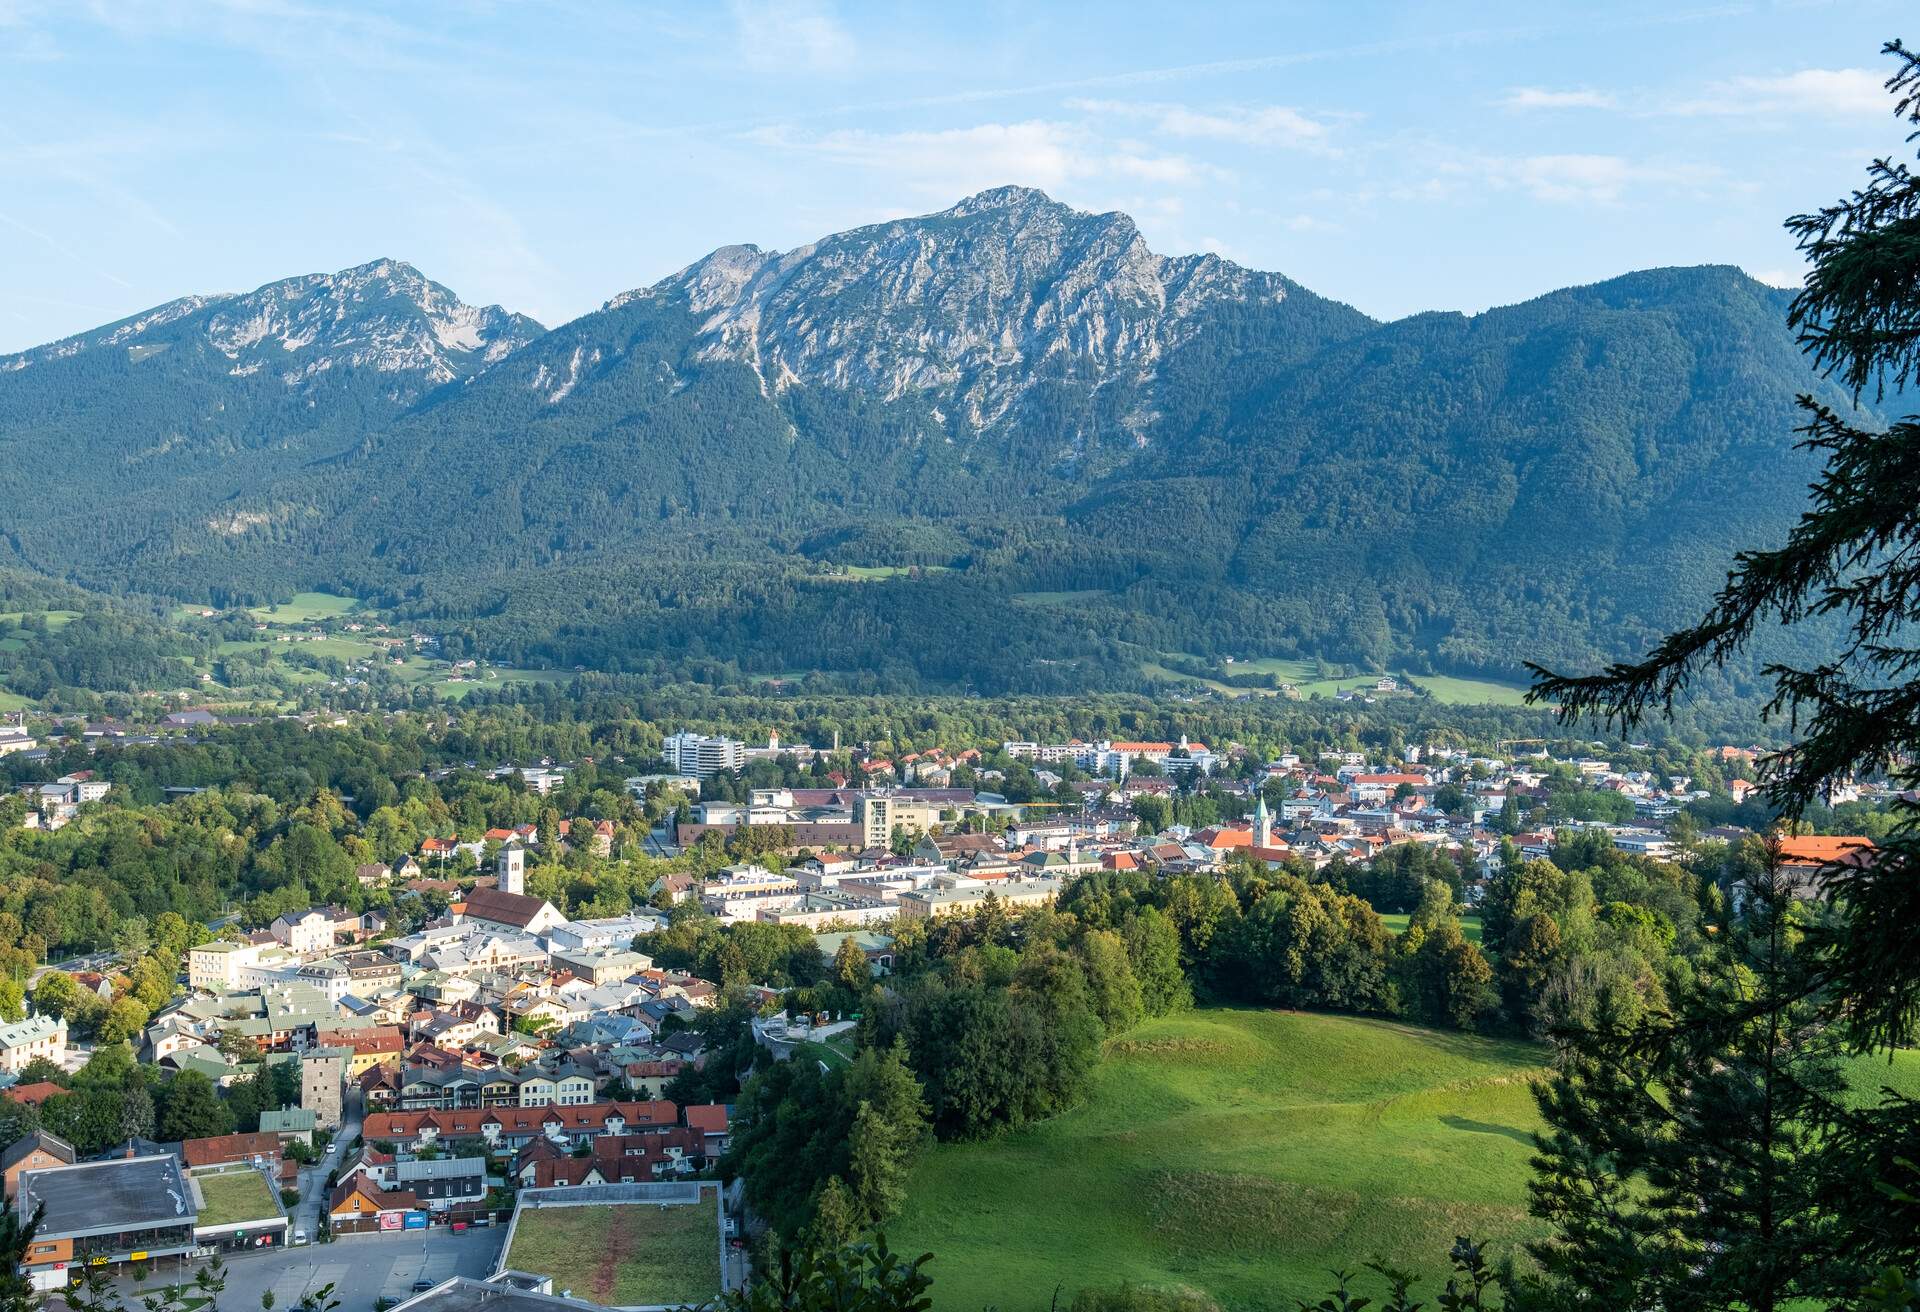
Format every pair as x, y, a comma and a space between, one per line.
306, 607
1469, 925
634, 1254
807, 1049
1243, 1154
235, 1196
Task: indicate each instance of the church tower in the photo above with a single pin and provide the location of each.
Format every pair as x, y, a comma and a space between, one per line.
512, 866
1262, 824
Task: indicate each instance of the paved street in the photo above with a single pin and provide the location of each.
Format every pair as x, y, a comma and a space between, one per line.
313, 1179
361, 1268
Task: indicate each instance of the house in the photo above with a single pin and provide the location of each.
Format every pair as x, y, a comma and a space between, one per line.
289, 1123
359, 1205
441, 1183
23, 1041
1808, 861
375, 874
248, 1150
303, 931
31, 1152
514, 1127
33, 1094
711, 1120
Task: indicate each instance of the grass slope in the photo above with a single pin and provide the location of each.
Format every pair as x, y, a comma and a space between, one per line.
1397, 922
626, 1255
1243, 1154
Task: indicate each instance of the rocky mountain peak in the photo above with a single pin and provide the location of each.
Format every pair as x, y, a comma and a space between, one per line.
969, 302
383, 315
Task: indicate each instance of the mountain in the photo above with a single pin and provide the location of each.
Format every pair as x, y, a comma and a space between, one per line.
1060, 457
979, 305
189, 403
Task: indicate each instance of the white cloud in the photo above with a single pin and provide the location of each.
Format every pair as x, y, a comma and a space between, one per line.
947, 164
1262, 125
1544, 98
777, 35
1841, 91
1573, 179
1790, 279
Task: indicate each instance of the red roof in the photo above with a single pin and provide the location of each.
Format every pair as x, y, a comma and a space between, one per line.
708, 1118
512, 1121
227, 1148
33, 1094
1825, 849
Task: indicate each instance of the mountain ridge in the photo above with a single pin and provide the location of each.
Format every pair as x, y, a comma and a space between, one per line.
1199, 458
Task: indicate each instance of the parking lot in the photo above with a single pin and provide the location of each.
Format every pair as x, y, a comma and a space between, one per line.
361, 1268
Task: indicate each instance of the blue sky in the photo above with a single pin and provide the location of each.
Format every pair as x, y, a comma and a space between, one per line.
1400, 157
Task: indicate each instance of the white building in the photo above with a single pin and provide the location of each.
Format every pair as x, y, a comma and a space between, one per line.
218, 967
700, 755
37, 1036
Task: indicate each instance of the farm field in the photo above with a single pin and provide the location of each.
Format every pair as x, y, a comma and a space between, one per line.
1304, 675
1242, 1154
1396, 923
307, 607
623, 1255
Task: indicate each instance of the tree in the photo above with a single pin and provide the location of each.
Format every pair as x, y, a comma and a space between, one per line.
17, 1293
1853, 557
191, 1109
1111, 984
1688, 1157
850, 969
1154, 945
866, 1278
1850, 566
13, 1000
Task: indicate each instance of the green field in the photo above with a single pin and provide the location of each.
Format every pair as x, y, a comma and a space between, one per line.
1396, 923
235, 1196
1061, 598
307, 607
1304, 675
1243, 1154
623, 1255
869, 572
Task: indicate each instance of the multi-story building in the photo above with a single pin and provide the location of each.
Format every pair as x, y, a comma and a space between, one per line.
701, 755
21, 1041
217, 967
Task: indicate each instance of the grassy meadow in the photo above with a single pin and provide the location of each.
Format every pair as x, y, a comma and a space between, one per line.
1242, 1154
1397, 922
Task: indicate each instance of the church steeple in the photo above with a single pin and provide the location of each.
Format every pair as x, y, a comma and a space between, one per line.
1262, 824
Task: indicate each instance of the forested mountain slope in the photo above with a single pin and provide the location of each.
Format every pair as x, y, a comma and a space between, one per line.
1057, 452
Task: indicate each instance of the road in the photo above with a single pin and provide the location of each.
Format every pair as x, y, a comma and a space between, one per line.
313, 1179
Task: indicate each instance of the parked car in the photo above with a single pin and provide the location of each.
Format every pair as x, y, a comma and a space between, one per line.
422, 1285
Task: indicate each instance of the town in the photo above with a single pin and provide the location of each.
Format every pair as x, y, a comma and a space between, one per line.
439, 1055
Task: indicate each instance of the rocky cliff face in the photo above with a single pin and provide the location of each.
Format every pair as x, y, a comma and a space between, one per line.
385, 316
978, 303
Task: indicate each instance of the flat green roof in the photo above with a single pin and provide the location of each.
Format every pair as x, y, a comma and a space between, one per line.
233, 1197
